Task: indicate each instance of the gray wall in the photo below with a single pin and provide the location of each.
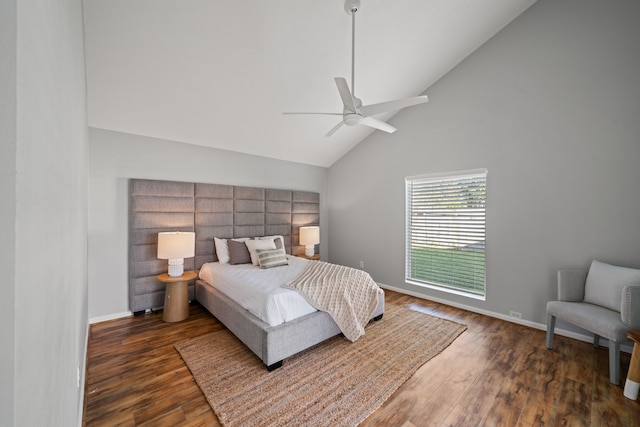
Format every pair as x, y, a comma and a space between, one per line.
550, 106
43, 215
8, 142
116, 157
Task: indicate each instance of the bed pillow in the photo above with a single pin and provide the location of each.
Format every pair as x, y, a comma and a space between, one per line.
254, 245
278, 240
605, 282
238, 253
269, 258
222, 248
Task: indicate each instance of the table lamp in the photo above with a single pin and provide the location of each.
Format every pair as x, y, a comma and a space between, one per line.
309, 237
175, 246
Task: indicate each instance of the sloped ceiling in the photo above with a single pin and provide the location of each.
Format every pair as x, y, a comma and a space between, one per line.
219, 73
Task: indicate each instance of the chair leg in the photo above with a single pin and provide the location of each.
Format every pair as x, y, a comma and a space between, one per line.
551, 324
596, 340
614, 362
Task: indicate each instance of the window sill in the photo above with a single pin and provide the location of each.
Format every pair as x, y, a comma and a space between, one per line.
447, 290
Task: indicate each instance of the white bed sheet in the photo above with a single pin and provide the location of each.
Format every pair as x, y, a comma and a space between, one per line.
259, 290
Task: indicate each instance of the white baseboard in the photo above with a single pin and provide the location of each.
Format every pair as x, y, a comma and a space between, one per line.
563, 332
83, 367
110, 317
83, 373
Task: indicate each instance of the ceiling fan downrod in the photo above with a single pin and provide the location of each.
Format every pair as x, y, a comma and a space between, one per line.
351, 7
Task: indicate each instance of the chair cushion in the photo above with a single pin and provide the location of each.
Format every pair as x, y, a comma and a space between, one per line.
593, 318
605, 282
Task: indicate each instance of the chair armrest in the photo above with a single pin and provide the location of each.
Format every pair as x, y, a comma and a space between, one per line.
571, 285
630, 313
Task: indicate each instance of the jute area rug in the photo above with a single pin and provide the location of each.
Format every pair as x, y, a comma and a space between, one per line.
335, 383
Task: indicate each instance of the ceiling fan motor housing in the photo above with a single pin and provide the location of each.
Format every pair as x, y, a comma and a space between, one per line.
352, 118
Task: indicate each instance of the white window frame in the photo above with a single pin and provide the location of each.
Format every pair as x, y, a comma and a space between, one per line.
445, 242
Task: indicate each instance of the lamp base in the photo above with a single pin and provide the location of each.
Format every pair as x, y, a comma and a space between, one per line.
309, 250
176, 267
631, 389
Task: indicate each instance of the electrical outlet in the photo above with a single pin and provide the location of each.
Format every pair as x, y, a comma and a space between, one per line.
361, 264
515, 314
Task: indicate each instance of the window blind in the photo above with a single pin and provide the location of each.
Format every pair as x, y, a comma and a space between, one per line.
445, 241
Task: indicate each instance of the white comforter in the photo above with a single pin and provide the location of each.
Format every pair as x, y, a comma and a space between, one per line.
259, 290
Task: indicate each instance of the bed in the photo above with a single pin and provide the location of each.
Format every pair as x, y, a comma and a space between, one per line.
223, 211
273, 322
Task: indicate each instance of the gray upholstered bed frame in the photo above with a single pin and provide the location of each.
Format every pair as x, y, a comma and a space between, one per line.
224, 211
272, 344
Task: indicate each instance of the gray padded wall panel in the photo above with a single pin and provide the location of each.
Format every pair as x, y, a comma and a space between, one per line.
252, 219
305, 210
211, 210
248, 217
155, 206
278, 207
248, 193
278, 216
213, 218
278, 195
214, 191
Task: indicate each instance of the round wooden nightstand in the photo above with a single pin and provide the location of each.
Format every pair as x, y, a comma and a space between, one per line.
315, 257
632, 385
176, 296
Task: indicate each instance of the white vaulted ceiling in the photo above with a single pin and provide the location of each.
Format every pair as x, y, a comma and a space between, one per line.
219, 73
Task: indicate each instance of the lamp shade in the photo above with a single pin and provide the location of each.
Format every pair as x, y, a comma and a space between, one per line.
309, 235
176, 245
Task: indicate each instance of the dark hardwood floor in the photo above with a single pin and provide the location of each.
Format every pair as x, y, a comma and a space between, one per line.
495, 373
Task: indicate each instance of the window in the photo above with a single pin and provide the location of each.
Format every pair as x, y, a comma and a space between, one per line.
445, 242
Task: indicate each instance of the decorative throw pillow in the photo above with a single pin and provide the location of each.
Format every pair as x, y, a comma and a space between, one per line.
278, 240
238, 253
605, 282
222, 248
254, 245
268, 258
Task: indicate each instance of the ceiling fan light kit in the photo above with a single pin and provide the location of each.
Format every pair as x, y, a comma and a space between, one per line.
354, 113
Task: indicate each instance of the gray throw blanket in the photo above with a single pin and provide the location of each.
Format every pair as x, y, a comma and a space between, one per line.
350, 296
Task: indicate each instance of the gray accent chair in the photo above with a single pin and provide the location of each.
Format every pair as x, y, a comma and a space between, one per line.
604, 300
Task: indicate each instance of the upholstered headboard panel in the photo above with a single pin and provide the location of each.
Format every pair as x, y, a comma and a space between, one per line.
211, 210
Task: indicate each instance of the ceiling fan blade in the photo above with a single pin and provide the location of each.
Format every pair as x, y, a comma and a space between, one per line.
377, 124
383, 107
324, 114
345, 94
334, 129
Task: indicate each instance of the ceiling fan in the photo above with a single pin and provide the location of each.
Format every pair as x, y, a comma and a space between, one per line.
354, 112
